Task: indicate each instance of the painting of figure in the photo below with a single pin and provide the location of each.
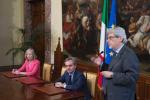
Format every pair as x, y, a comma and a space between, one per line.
80, 27
135, 16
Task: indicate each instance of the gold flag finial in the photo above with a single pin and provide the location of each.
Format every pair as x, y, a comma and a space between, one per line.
113, 26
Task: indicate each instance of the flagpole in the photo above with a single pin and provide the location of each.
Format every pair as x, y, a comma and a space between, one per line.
103, 41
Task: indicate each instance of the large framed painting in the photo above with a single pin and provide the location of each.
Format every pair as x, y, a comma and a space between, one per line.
81, 27
134, 16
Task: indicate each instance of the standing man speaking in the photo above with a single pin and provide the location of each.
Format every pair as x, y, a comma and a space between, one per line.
123, 70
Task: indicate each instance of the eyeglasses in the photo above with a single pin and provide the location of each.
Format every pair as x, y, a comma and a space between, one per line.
111, 37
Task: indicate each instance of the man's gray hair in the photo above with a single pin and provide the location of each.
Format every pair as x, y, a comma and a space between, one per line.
119, 32
73, 59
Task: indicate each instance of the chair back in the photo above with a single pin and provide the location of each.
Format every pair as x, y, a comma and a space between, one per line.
63, 70
91, 81
47, 72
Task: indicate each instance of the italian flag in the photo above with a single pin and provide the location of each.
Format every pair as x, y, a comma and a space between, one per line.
104, 24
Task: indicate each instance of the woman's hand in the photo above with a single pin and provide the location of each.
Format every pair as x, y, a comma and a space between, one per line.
22, 73
15, 71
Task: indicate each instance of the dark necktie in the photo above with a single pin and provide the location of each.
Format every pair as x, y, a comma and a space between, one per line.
69, 80
114, 54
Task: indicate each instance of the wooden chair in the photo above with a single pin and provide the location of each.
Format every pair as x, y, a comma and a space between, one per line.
58, 62
91, 82
63, 70
47, 72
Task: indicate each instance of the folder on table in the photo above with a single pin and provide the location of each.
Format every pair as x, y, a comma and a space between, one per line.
9, 74
30, 80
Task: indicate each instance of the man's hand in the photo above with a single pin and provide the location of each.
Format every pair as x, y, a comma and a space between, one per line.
59, 84
107, 74
96, 60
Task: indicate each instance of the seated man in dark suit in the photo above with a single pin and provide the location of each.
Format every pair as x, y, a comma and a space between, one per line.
72, 79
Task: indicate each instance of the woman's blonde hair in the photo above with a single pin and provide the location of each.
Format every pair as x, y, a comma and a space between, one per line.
33, 53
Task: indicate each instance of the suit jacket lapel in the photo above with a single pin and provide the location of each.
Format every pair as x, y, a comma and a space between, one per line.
116, 58
74, 76
113, 62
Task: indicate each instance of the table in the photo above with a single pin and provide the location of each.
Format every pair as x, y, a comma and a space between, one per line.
10, 89
9, 74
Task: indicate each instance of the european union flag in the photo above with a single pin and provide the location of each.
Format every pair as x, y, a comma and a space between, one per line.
112, 23
112, 18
